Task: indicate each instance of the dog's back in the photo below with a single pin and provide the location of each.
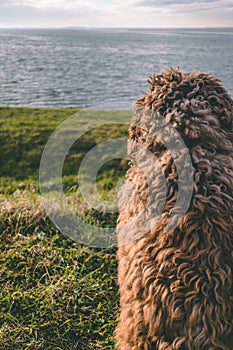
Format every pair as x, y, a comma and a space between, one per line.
176, 285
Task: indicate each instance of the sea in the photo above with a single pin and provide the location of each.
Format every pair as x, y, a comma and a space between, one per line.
83, 67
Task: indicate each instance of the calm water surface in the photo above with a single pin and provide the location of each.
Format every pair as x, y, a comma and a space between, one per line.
83, 67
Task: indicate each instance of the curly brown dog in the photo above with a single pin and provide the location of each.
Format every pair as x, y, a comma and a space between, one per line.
176, 285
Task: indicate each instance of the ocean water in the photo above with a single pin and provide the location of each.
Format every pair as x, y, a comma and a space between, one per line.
86, 67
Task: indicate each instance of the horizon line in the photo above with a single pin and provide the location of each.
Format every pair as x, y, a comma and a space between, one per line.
107, 27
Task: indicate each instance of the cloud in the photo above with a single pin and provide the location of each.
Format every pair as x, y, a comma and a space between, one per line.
116, 13
33, 14
189, 4
185, 6
153, 3
8, 2
50, 4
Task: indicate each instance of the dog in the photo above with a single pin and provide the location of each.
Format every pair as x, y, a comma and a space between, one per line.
175, 270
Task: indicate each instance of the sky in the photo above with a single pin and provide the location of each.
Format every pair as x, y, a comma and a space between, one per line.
116, 13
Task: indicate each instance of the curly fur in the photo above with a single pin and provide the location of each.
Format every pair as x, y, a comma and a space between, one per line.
176, 288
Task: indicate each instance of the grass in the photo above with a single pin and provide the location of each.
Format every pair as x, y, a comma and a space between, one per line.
55, 293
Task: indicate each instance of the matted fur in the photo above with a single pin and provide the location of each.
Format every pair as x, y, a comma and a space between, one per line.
176, 288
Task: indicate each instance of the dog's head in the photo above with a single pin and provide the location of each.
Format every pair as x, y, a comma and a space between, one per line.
195, 103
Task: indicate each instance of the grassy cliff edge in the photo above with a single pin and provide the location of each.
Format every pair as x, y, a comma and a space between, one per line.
55, 293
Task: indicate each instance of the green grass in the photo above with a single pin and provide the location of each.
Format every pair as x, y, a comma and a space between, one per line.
55, 293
